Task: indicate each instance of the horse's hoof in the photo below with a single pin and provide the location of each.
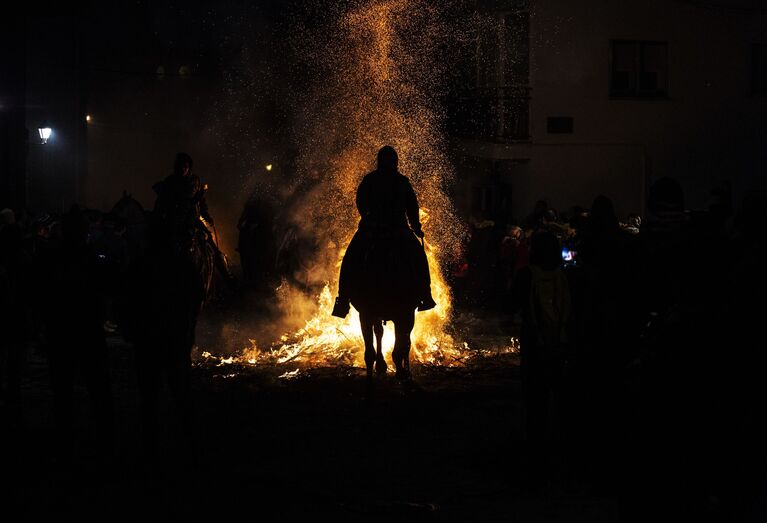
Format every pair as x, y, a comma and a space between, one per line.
381, 367
403, 375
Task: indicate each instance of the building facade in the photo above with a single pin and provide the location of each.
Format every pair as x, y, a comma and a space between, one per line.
13, 135
56, 97
573, 99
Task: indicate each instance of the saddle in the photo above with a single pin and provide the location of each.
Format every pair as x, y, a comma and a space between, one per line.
380, 269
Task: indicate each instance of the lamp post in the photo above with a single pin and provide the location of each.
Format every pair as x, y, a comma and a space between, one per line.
45, 132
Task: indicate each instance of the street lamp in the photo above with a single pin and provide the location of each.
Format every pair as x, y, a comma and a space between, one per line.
44, 132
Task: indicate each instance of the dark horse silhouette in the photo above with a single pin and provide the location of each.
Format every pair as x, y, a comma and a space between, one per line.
171, 280
385, 274
173, 289
134, 218
386, 291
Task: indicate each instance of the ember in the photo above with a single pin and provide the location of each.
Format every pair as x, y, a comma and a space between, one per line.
375, 85
377, 80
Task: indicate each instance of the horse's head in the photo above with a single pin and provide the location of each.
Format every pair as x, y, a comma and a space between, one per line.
128, 209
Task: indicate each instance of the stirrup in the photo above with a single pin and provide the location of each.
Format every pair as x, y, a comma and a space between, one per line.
340, 308
427, 304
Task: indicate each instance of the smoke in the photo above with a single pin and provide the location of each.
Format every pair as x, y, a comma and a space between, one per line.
360, 74
376, 72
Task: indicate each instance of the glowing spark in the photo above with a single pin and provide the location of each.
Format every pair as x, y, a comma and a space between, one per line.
377, 84
289, 375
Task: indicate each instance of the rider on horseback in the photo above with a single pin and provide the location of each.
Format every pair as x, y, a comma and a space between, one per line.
181, 214
388, 207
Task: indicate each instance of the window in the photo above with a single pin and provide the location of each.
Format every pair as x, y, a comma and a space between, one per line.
759, 68
638, 69
559, 125
494, 93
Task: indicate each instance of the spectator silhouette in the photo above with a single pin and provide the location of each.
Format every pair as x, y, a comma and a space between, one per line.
535, 219
606, 258
606, 327
257, 244
74, 332
112, 256
508, 255
738, 473
482, 256
610, 257
542, 297
14, 280
680, 359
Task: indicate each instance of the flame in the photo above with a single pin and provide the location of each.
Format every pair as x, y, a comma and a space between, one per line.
376, 84
327, 340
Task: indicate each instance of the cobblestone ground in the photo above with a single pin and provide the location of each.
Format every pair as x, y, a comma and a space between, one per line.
319, 446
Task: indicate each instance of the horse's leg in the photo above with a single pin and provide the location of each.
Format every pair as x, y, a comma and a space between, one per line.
184, 324
378, 330
367, 326
179, 375
149, 370
403, 326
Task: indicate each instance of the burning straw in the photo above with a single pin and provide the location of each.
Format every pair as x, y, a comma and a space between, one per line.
376, 70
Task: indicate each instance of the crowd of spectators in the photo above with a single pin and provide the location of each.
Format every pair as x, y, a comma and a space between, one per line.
60, 276
635, 342
639, 337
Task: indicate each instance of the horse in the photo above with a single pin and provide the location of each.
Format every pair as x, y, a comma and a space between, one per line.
384, 288
134, 218
168, 288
